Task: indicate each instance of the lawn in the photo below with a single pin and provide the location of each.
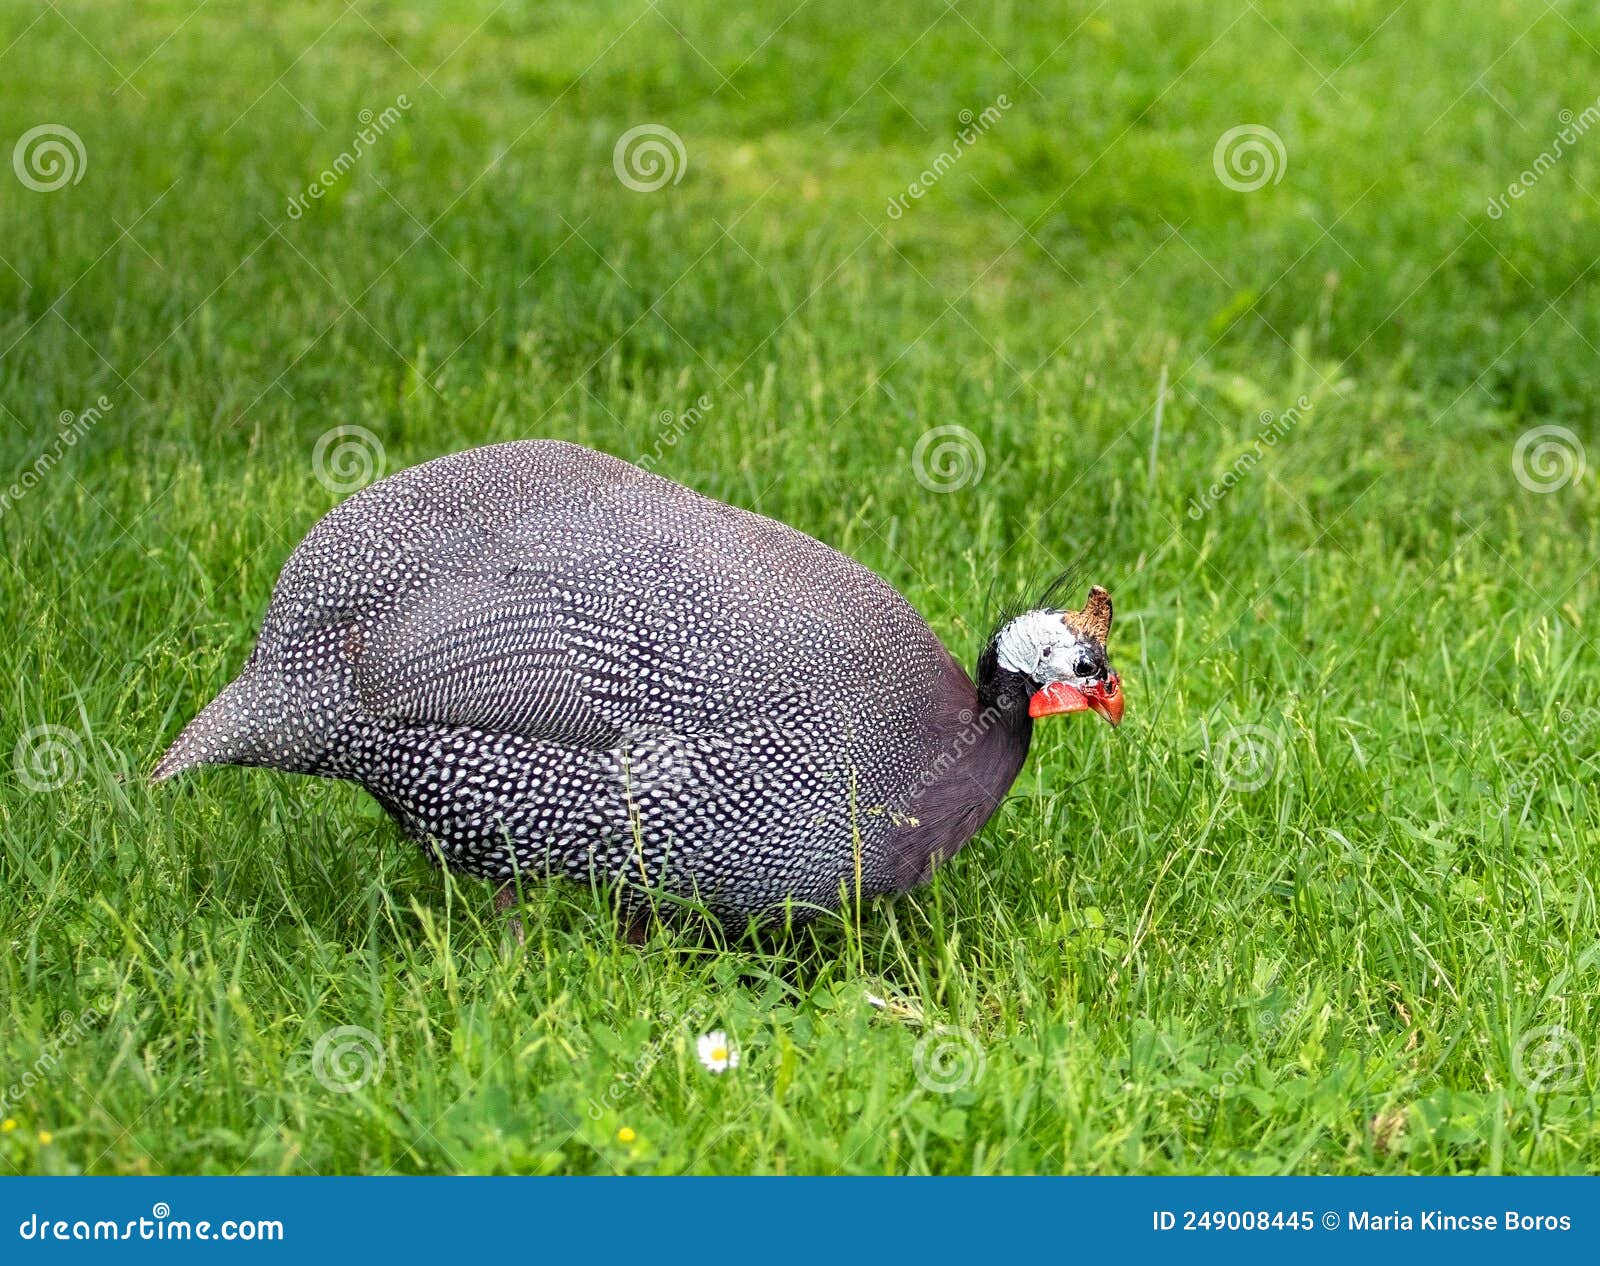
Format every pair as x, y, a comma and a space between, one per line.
1310, 399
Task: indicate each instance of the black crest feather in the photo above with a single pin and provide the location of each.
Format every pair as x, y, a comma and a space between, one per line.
1036, 593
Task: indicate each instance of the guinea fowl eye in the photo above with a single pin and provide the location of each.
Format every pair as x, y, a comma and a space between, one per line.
1083, 668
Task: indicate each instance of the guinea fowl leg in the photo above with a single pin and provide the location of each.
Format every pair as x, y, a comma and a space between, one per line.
505, 897
636, 927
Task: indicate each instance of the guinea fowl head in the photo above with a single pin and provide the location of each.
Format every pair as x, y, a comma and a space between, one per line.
1056, 660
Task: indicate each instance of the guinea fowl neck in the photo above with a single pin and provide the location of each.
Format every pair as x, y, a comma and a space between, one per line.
1004, 691
1003, 712
1001, 731
983, 737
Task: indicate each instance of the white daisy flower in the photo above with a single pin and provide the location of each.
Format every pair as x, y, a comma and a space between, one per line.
716, 1052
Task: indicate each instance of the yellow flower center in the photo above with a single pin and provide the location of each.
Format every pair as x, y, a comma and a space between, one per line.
625, 1135
718, 1054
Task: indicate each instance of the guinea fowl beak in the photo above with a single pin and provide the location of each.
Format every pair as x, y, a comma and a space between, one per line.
1058, 697
1106, 698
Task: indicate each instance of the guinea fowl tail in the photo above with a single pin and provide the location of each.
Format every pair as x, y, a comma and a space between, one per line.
221, 735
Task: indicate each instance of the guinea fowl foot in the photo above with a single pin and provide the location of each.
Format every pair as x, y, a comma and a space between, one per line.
505, 897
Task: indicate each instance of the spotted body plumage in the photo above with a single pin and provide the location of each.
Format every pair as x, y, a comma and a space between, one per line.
544, 661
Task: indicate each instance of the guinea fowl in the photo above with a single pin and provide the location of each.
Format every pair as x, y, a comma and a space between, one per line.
541, 660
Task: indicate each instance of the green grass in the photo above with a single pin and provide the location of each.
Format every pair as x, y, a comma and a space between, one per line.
1164, 970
